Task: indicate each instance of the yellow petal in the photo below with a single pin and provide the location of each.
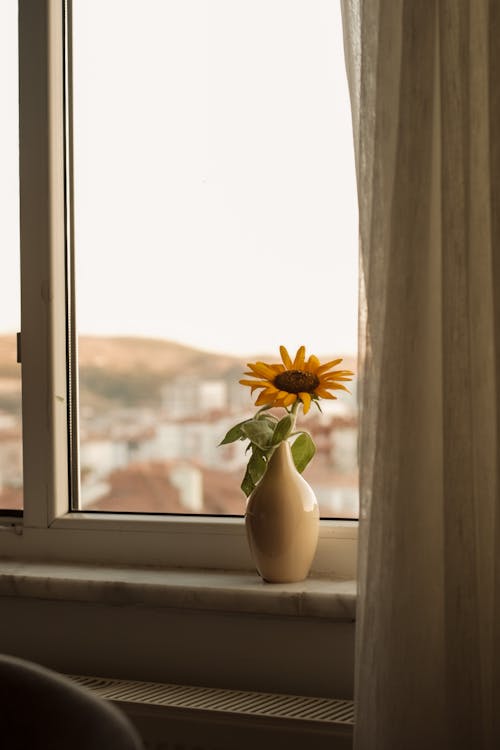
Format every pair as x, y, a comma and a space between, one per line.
262, 370
306, 400
328, 366
335, 387
264, 398
272, 390
285, 399
298, 362
333, 377
286, 358
282, 395
328, 383
322, 393
253, 385
312, 364
337, 374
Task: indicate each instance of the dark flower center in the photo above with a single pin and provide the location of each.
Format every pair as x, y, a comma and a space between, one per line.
296, 381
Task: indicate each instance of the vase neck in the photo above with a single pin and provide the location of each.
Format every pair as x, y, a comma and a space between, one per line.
282, 455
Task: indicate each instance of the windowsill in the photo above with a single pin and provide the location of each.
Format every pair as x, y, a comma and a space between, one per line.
164, 543
207, 590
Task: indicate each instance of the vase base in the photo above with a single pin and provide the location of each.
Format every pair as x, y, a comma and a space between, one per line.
283, 580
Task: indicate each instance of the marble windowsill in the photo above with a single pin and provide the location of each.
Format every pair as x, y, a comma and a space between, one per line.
209, 590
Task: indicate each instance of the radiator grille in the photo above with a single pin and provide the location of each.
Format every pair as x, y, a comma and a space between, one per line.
235, 702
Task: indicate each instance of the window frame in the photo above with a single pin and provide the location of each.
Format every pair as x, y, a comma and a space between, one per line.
48, 529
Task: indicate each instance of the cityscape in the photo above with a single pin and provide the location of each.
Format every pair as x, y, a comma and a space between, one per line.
152, 414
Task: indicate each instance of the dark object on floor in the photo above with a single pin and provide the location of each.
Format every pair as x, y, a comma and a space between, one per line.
43, 710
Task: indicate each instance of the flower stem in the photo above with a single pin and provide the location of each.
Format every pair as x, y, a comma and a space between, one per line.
294, 414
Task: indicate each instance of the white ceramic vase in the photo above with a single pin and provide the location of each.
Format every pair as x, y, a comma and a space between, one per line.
282, 521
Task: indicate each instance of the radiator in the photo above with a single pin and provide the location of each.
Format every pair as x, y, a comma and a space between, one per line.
181, 717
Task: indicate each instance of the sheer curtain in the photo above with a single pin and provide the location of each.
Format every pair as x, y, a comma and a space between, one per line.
425, 90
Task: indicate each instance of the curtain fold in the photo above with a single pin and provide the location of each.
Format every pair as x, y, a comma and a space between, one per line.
425, 92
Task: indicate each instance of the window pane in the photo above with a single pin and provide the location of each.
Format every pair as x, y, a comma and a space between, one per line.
215, 219
10, 371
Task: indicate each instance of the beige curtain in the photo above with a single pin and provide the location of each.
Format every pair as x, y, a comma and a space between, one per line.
425, 88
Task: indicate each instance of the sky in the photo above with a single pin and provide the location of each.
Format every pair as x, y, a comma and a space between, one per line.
215, 199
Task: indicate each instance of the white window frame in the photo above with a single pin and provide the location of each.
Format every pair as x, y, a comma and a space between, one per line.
48, 530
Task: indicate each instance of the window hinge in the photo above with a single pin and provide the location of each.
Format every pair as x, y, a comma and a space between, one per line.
18, 352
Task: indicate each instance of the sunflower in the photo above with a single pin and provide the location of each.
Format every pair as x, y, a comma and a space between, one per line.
290, 383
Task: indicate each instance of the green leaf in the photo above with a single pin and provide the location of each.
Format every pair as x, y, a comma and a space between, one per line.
257, 465
235, 433
259, 432
282, 429
247, 484
262, 409
303, 449
270, 417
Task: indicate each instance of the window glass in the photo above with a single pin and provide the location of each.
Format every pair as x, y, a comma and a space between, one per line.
214, 219
10, 372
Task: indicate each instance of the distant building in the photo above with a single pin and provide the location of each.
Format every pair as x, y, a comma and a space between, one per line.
171, 460
198, 439
189, 482
191, 396
99, 456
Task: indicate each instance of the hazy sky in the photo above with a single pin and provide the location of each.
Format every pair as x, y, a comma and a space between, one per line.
215, 193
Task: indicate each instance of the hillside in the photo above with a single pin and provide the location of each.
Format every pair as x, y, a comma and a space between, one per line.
130, 371
119, 371
125, 371
125, 354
